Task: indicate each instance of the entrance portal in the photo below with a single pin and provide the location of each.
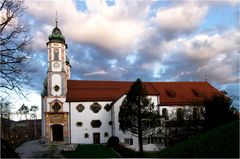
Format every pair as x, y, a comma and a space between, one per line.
57, 132
96, 138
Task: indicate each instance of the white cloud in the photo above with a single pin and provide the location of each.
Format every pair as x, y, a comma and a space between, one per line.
204, 47
203, 55
181, 18
102, 72
105, 26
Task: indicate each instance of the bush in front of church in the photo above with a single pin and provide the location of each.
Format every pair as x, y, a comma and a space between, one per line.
113, 141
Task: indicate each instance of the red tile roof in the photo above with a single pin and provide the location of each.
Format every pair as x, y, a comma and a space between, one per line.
171, 93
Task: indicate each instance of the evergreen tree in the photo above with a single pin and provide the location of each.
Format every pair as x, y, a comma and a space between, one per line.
137, 114
23, 110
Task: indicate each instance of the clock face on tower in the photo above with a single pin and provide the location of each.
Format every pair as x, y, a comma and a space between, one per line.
56, 64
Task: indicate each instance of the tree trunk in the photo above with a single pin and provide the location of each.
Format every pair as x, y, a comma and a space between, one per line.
140, 137
140, 129
35, 129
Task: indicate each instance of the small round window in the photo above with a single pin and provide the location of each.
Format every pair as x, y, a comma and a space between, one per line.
56, 88
80, 108
95, 107
107, 107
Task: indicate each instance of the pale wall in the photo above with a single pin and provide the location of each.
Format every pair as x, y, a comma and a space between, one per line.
86, 116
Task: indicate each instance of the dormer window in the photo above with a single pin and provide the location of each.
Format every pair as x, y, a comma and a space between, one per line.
170, 93
196, 92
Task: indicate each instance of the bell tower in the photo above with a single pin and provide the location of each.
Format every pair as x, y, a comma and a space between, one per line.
58, 64
55, 118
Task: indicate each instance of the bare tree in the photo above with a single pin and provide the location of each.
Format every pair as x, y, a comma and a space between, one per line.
5, 118
15, 47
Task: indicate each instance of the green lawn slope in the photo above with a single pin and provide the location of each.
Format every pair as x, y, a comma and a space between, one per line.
221, 142
91, 151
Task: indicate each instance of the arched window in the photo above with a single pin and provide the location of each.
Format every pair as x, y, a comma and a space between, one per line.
196, 114
165, 113
180, 115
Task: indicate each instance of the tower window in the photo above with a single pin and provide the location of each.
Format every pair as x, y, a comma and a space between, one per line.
56, 88
56, 54
56, 107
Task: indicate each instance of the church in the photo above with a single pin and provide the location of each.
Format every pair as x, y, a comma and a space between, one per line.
86, 112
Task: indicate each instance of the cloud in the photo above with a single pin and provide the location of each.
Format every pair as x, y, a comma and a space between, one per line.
204, 47
110, 27
214, 56
181, 18
102, 72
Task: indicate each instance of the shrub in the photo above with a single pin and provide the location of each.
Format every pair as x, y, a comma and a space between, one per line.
113, 141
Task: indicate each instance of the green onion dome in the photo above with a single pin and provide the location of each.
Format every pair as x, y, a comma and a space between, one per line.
56, 36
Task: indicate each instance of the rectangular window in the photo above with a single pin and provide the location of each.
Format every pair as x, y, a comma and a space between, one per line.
128, 141
145, 141
152, 140
56, 56
156, 140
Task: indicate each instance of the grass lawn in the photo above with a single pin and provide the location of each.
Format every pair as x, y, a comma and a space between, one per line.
221, 142
90, 151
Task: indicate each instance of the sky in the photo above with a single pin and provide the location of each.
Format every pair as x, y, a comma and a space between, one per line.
180, 40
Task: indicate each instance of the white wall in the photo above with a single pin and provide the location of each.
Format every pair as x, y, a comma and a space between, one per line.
86, 116
122, 136
56, 80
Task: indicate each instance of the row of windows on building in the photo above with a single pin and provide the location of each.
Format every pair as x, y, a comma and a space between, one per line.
147, 140
95, 107
94, 123
180, 113
86, 135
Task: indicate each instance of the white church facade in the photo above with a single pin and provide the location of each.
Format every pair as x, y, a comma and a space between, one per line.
86, 112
